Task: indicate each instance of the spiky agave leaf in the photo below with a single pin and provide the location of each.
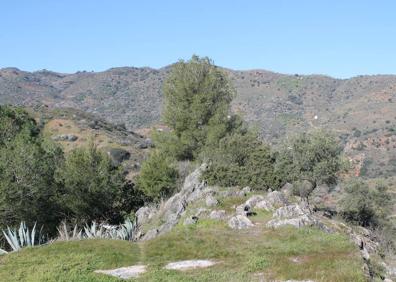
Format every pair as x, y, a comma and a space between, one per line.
12, 239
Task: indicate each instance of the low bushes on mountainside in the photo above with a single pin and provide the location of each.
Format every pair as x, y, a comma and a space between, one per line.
364, 206
197, 112
241, 159
314, 156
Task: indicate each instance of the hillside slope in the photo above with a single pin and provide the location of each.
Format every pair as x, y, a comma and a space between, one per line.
362, 110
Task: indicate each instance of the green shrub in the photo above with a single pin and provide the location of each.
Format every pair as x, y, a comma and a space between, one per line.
158, 175
364, 206
27, 166
91, 186
241, 159
314, 156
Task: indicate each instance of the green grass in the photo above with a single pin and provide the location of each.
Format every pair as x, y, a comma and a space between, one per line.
68, 261
245, 255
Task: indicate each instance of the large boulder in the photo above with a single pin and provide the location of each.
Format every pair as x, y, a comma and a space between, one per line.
239, 222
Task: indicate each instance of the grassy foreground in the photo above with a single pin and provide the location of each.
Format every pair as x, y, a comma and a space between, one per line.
249, 255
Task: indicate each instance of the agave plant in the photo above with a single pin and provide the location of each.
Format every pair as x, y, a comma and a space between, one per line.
23, 237
94, 231
64, 234
124, 231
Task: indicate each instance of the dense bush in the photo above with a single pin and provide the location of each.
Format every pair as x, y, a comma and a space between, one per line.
91, 186
315, 156
158, 176
27, 165
38, 184
241, 159
364, 206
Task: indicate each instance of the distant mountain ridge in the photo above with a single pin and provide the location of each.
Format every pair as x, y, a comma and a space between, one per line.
361, 110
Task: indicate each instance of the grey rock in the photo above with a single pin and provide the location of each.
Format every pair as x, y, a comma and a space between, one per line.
144, 214
264, 205
293, 210
276, 198
252, 201
218, 214
201, 212
297, 215
190, 220
211, 201
125, 272
239, 222
151, 234
173, 209
244, 191
287, 190
243, 210
300, 221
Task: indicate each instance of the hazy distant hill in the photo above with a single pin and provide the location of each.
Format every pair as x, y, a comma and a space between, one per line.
362, 110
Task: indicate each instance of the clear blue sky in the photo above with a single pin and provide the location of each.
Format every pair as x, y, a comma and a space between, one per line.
341, 38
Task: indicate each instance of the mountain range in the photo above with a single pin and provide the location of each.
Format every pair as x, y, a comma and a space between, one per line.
360, 110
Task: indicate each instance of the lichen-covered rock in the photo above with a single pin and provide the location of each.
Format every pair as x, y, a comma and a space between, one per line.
252, 201
264, 205
239, 222
269, 203
243, 209
300, 221
293, 210
218, 214
151, 234
144, 214
172, 210
190, 220
211, 201
276, 198
287, 190
297, 215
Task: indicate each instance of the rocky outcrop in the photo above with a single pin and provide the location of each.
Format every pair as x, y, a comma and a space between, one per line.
272, 201
211, 201
172, 210
296, 215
